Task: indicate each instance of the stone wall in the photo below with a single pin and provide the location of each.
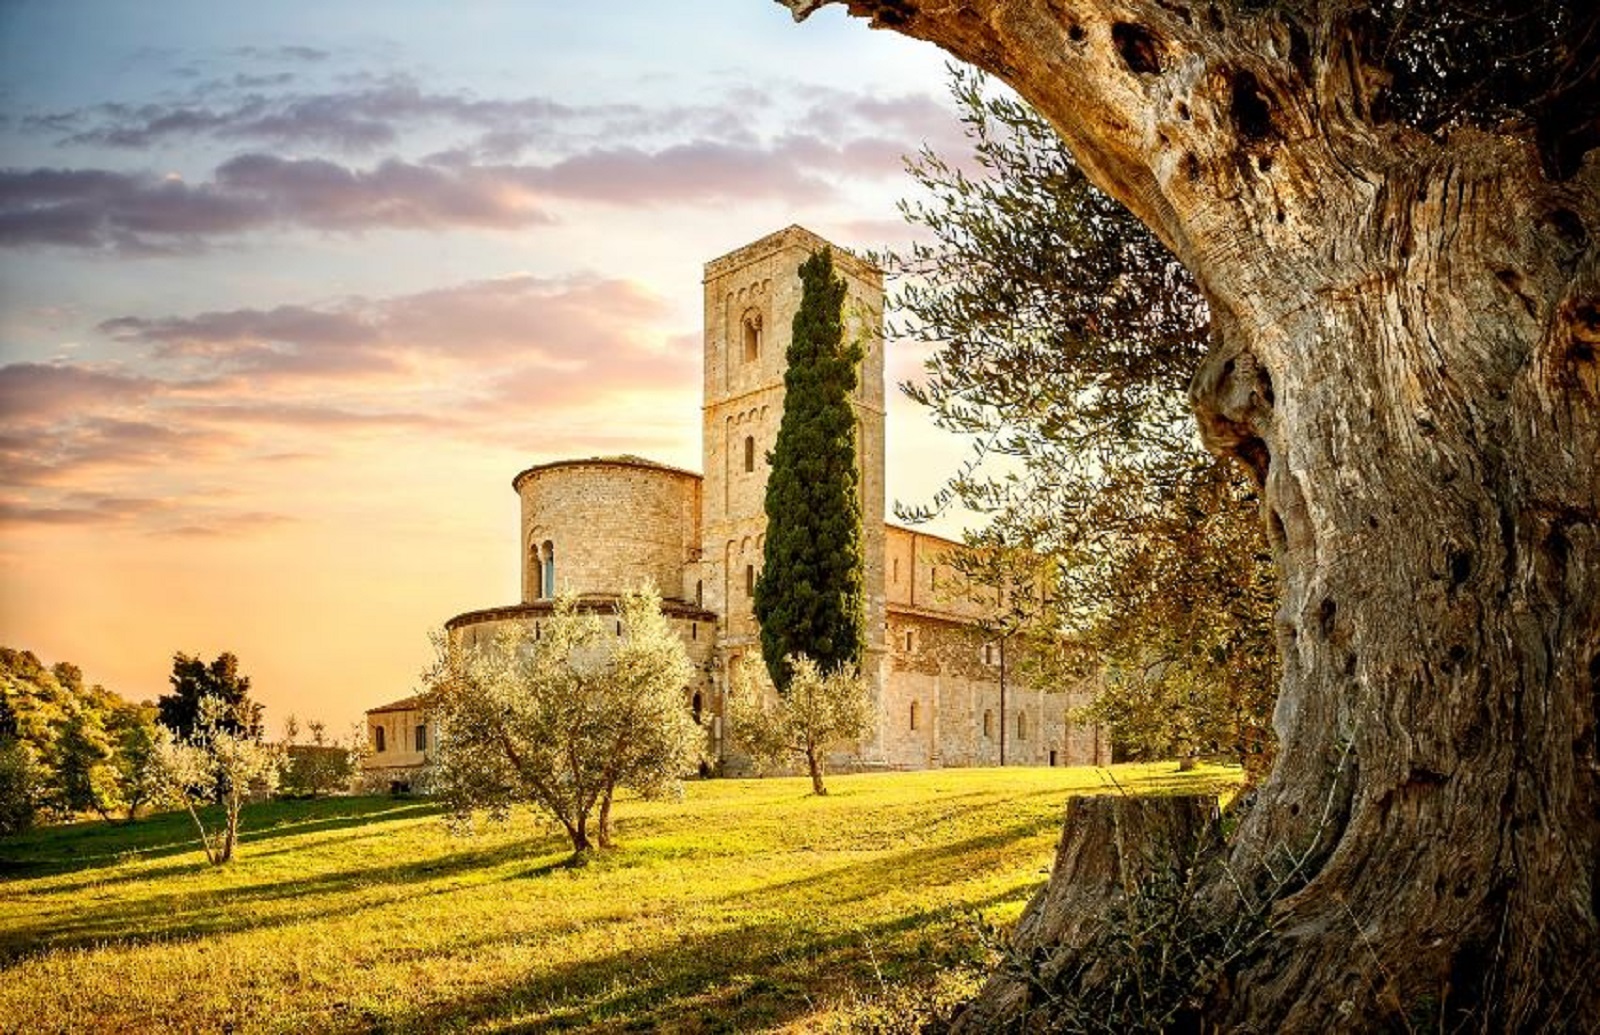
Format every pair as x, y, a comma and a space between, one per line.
941, 702
610, 524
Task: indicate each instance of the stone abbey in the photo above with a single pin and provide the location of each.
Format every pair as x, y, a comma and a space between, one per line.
595, 527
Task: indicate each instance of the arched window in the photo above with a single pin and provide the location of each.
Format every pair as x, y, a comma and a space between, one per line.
752, 336
913, 715
536, 569
547, 553
422, 738
749, 580
910, 641
377, 738
1022, 725
988, 725
694, 707
749, 453
699, 592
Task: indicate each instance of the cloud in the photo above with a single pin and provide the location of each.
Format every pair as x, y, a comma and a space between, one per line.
135, 213
33, 391
521, 321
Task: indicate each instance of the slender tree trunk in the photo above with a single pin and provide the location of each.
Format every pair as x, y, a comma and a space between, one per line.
1405, 358
200, 828
230, 833
605, 818
814, 766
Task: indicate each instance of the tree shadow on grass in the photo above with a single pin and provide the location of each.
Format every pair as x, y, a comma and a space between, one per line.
755, 976
174, 916
96, 844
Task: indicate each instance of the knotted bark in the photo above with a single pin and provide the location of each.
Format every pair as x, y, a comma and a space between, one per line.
1405, 359
1110, 848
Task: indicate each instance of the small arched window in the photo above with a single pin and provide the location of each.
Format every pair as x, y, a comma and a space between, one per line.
910, 641
1022, 725
377, 738
695, 706
752, 336
749, 580
913, 715
988, 725
699, 592
749, 453
547, 554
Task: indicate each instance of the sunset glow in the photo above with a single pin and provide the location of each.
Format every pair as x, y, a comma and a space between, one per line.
289, 292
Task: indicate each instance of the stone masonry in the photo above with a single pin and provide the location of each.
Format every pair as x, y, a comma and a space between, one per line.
945, 694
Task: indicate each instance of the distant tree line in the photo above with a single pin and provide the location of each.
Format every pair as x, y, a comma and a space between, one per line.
68, 748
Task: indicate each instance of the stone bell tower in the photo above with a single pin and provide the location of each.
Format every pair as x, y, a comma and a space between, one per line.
751, 296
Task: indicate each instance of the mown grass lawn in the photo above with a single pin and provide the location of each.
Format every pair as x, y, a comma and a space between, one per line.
746, 906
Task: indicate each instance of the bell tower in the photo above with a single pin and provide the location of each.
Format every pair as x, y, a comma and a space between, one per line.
751, 296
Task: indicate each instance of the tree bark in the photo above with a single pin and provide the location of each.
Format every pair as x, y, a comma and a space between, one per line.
814, 766
1405, 359
1109, 847
604, 819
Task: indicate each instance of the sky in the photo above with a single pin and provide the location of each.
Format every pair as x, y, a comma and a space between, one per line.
290, 291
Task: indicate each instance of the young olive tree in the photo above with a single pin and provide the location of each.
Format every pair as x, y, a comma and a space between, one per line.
819, 709
215, 762
563, 721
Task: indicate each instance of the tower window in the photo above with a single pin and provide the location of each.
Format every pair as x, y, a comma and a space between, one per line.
752, 336
749, 453
695, 706
547, 554
913, 715
749, 580
1022, 725
910, 642
699, 592
988, 725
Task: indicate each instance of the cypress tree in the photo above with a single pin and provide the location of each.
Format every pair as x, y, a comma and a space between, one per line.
810, 598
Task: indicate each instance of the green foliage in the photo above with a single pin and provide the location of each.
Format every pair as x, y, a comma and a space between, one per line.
19, 786
193, 681
67, 741
810, 597
1066, 335
323, 766
821, 709
745, 906
564, 721
133, 729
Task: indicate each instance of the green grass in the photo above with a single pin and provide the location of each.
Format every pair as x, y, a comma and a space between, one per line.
748, 905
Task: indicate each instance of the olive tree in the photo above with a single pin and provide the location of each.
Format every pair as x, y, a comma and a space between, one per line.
1393, 213
820, 709
216, 763
563, 720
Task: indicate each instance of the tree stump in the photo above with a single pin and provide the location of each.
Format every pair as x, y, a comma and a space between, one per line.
1109, 846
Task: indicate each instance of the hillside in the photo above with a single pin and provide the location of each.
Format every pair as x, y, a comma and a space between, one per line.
746, 906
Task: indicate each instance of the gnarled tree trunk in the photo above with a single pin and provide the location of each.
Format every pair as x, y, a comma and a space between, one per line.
1405, 358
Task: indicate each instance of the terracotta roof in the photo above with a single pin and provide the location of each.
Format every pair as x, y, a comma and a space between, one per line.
405, 704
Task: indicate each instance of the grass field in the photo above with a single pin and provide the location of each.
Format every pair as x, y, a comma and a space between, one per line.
746, 906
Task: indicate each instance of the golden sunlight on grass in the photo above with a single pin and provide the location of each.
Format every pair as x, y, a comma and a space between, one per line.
746, 906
